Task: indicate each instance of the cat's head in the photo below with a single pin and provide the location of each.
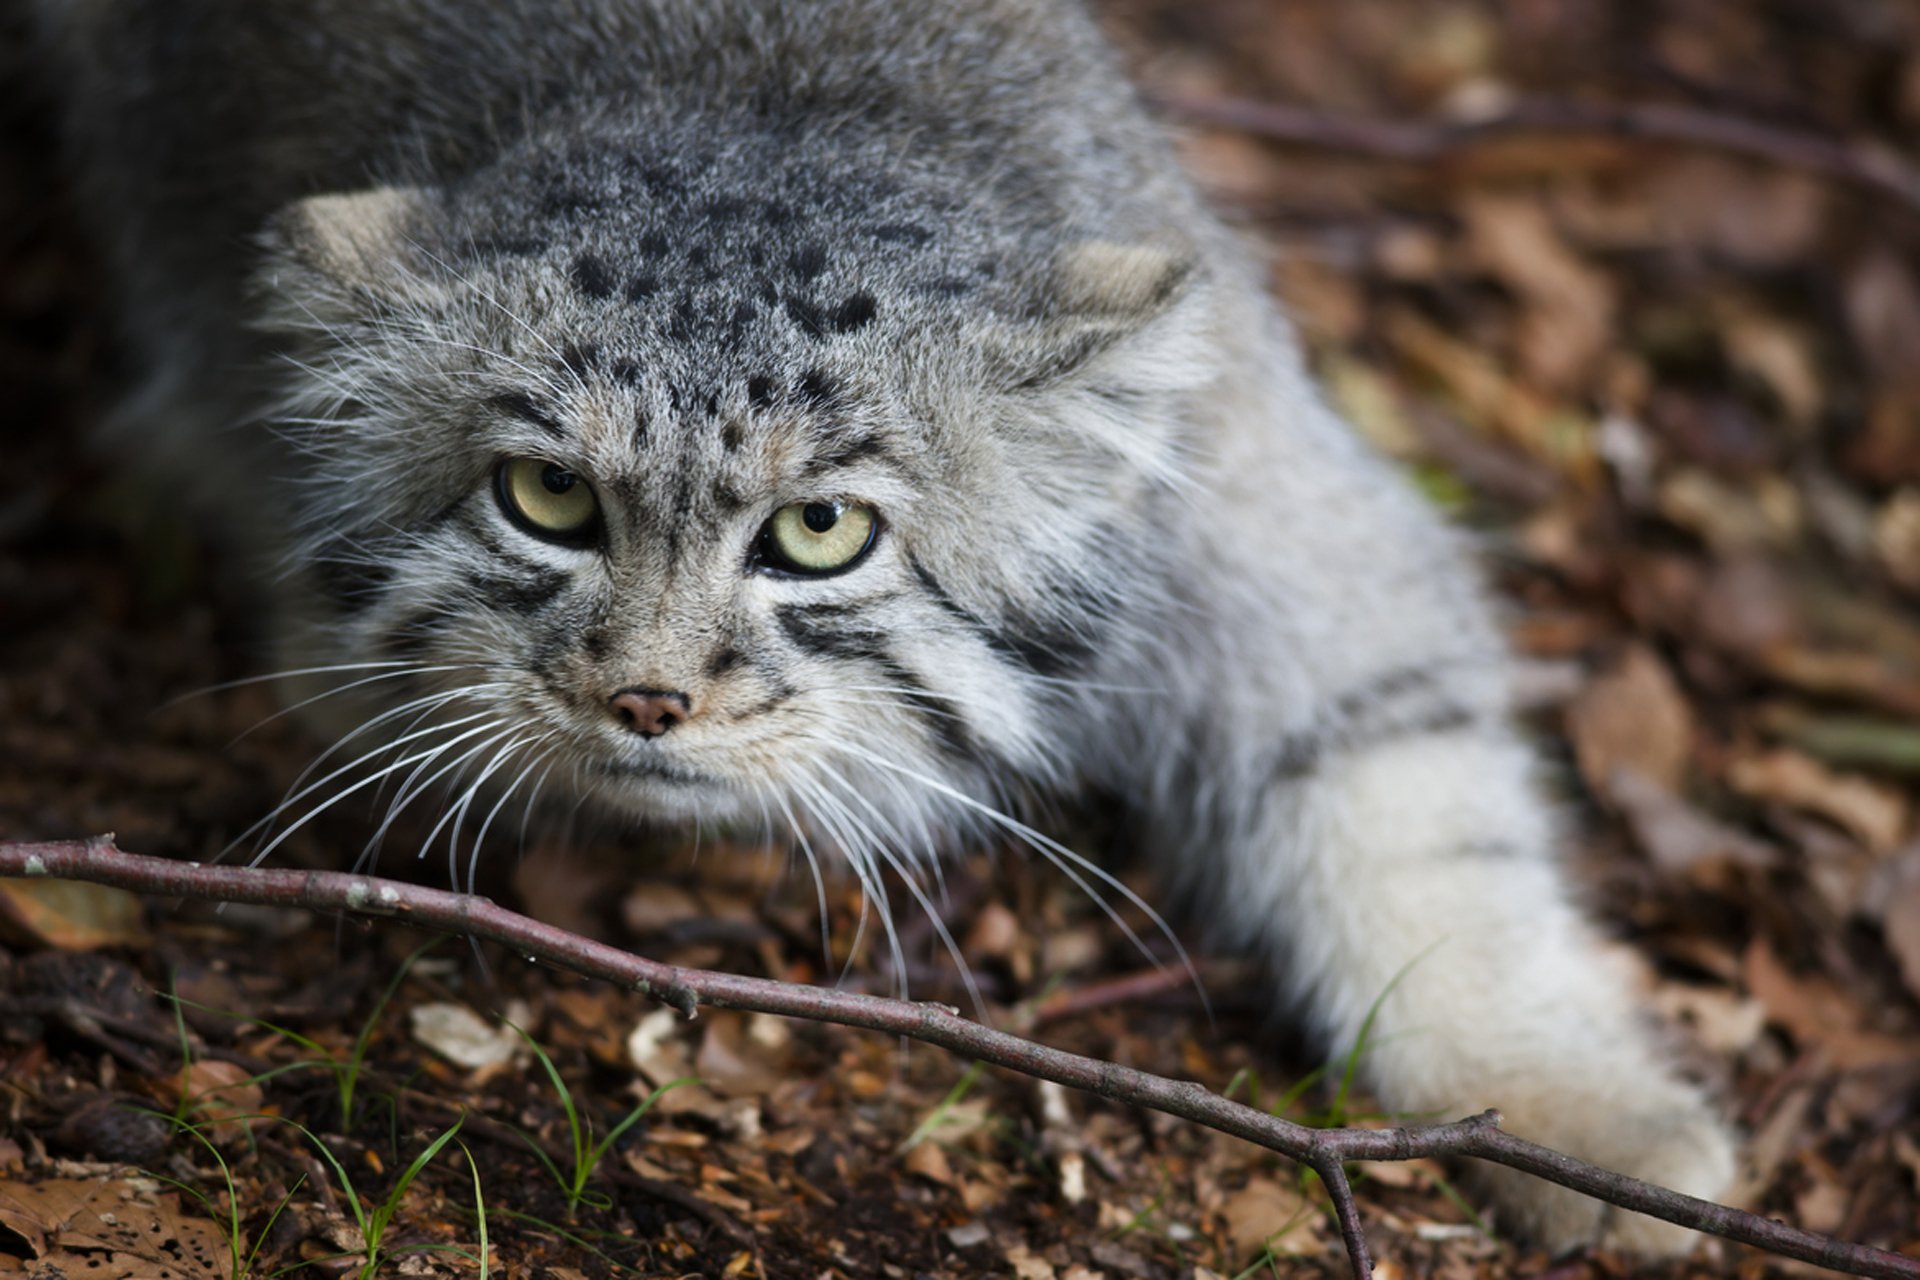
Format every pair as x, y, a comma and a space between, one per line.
731, 491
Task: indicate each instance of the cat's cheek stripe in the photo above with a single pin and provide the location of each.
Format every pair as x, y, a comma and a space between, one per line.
522, 595
942, 719
1043, 652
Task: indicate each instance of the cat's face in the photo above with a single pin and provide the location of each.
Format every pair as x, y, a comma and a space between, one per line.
738, 521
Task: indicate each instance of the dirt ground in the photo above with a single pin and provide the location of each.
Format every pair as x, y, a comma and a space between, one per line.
1661, 348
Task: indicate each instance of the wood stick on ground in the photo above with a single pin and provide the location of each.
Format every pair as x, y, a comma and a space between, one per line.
1871, 165
1324, 1150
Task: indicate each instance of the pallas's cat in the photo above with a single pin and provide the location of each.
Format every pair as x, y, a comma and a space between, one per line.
842, 415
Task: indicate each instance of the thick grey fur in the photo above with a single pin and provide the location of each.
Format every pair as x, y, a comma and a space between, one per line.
721, 256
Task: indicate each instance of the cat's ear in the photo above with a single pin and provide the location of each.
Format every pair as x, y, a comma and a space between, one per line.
351, 251
1097, 300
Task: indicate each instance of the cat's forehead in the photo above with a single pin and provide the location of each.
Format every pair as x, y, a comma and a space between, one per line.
741, 317
728, 262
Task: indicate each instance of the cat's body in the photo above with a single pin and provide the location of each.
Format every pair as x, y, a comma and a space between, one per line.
922, 270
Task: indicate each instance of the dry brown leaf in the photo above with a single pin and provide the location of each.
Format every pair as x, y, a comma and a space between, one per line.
1732, 519
1737, 209
113, 1229
1569, 317
1678, 838
735, 1062
1257, 1211
1716, 1019
1873, 813
1027, 1264
70, 916
1778, 354
1896, 538
1900, 923
930, 1162
1883, 310
1821, 1016
222, 1092
1632, 717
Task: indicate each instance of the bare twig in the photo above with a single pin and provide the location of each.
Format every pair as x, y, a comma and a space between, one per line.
1325, 1150
1872, 165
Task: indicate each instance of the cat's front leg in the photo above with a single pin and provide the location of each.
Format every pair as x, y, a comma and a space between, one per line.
1408, 866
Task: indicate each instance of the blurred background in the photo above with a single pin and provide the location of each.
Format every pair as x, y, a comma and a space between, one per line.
1630, 288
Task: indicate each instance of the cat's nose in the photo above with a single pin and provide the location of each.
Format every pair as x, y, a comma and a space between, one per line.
650, 712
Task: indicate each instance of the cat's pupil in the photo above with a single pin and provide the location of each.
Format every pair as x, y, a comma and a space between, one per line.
557, 479
819, 517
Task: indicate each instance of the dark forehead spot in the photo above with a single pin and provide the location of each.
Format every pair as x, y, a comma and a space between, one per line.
855, 313
807, 316
742, 317
900, 233
760, 391
818, 387
626, 373
518, 404
945, 287
685, 317
642, 286
713, 404
653, 244
727, 208
561, 201
580, 358
732, 434
510, 246
777, 213
592, 276
808, 261
699, 255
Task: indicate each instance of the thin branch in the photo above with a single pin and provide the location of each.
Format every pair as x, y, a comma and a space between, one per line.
1325, 1150
1872, 165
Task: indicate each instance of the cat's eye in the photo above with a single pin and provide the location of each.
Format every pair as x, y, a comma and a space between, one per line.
548, 501
817, 537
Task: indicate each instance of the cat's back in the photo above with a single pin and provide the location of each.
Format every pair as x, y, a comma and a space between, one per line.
252, 104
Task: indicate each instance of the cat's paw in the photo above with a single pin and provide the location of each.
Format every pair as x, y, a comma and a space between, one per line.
1673, 1142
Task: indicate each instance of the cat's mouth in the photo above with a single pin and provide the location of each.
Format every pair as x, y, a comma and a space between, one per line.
655, 769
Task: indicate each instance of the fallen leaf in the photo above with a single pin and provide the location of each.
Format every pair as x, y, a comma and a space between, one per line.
1818, 1013
463, 1037
1676, 837
69, 915
1027, 1264
1569, 317
1632, 717
1874, 814
1259, 1212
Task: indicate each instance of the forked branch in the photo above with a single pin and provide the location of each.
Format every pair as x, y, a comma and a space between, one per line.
1324, 1150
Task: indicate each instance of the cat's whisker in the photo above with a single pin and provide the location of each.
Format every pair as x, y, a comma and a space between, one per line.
846, 830
336, 691
1062, 857
813, 865
506, 793
329, 669
321, 808
266, 821
414, 786
920, 895
533, 799
459, 810
425, 705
